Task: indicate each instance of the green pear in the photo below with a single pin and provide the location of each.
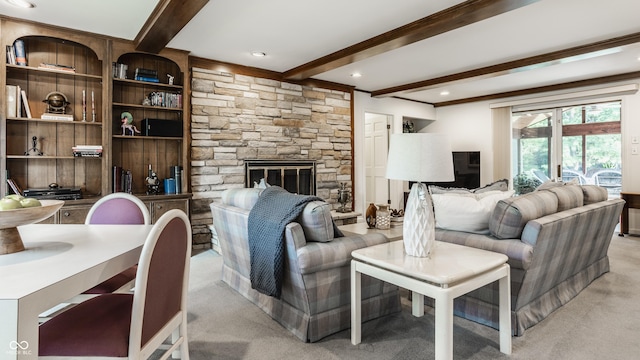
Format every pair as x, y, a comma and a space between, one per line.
30, 202
9, 204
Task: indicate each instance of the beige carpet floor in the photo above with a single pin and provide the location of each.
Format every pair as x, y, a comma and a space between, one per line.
602, 322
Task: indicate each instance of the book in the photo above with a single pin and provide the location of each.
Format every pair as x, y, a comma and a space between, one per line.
21, 56
49, 116
11, 100
14, 186
11, 55
57, 67
147, 79
119, 71
25, 103
18, 101
146, 72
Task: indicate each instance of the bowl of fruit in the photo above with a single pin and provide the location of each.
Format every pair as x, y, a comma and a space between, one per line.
16, 210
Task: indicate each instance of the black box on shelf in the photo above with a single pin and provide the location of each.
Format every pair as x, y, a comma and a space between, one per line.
54, 193
161, 127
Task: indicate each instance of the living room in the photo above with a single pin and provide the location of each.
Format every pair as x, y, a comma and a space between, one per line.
470, 123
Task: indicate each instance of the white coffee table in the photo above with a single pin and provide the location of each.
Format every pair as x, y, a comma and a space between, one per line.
451, 271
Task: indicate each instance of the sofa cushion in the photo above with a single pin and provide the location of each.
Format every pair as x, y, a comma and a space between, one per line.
511, 215
316, 221
569, 196
243, 198
501, 185
466, 212
593, 194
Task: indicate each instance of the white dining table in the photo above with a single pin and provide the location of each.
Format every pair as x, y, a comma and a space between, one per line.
59, 262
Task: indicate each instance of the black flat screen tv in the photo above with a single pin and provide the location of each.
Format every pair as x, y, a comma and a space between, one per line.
466, 168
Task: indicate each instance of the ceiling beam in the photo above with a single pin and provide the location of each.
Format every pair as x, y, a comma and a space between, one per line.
452, 18
533, 62
166, 20
542, 89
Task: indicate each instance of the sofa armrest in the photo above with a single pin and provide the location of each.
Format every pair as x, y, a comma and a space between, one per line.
317, 256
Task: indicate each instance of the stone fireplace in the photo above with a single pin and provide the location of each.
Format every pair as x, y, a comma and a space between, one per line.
298, 177
293, 135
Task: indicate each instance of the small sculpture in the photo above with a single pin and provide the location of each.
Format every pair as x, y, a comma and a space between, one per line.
56, 103
170, 79
343, 198
127, 124
153, 183
34, 147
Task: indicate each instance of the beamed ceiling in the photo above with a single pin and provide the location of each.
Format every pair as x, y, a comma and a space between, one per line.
412, 49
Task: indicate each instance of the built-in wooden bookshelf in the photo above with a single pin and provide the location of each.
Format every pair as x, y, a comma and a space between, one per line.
85, 78
36, 163
137, 152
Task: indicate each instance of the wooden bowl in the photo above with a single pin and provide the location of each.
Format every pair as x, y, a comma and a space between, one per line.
10, 240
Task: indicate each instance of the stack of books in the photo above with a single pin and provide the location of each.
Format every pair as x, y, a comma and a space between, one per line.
165, 99
57, 67
148, 75
122, 180
87, 150
52, 116
16, 102
119, 71
16, 54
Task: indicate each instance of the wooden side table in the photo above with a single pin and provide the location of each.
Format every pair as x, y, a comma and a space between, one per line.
361, 228
341, 218
632, 201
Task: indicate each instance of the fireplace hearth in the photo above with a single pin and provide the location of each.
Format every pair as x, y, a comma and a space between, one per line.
295, 176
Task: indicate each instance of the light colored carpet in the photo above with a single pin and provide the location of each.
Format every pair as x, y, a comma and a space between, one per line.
602, 322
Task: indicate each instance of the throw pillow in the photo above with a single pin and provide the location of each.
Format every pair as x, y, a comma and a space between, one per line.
316, 221
501, 185
466, 212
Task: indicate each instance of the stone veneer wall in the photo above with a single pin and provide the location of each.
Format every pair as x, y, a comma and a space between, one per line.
236, 117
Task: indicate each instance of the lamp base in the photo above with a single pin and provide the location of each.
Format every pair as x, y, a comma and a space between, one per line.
418, 229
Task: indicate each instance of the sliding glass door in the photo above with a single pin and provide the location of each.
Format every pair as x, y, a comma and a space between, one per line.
575, 143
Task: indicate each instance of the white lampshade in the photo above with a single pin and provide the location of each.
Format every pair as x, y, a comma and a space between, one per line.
420, 157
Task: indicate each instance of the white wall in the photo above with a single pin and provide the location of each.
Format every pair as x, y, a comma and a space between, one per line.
469, 126
469, 129
397, 109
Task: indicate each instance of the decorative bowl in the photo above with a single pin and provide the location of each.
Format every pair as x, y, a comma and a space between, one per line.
10, 240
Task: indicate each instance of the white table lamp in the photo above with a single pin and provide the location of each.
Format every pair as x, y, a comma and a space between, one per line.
419, 157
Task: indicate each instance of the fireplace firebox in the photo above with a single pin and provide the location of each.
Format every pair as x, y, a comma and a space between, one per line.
295, 176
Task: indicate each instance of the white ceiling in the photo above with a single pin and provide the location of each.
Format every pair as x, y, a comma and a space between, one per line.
294, 32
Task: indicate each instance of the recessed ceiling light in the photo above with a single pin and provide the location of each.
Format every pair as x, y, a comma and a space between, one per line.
444, 93
258, 54
356, 75
21, 3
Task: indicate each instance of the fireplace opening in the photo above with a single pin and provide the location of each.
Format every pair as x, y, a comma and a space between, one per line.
298, 177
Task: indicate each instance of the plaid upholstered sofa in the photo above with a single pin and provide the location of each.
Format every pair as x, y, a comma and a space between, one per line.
556, 240
315, 298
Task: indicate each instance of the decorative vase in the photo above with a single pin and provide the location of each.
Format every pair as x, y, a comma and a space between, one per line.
418, 230
383, 217
370, 216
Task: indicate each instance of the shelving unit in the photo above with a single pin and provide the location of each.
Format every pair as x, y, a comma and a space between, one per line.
54, 138
137, 152
92, 57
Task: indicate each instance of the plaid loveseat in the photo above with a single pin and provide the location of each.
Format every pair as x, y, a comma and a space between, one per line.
556, 240
315, 298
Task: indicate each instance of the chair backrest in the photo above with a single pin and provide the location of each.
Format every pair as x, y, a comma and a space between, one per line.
118, 208
160, 295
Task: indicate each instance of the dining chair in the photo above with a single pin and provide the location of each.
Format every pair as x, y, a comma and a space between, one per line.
133, 326
117, 208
